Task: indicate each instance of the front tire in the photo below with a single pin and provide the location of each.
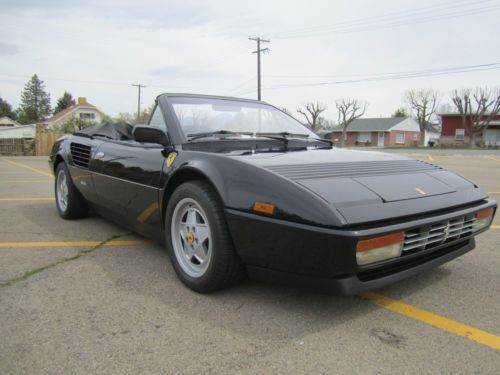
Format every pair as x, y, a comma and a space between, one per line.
70, 203
198, 239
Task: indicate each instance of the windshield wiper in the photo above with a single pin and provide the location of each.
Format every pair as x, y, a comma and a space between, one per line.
215, 134
286, 137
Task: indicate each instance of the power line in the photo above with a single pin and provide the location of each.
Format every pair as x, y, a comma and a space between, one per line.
139, 86
417, 71
258, 52
408, 17
393, 76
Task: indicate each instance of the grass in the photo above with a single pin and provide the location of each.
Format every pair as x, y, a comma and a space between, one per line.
80, 254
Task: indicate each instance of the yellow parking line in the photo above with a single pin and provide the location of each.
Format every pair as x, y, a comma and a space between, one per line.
25, 199
493, 158
24, 181
28, 167
493, 193
495, 227
429, 156
74, 243
435, 320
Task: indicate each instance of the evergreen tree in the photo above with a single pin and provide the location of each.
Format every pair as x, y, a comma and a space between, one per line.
6, 110
64, 102
401, 112
35, 102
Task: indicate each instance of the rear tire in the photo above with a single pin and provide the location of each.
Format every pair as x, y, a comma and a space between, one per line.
198, 240
69, 201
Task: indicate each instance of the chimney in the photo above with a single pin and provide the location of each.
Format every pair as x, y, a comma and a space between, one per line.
82, 100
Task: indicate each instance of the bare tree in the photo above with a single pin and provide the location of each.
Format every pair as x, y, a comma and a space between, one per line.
423, 103
476, 108
349, 110
312, 112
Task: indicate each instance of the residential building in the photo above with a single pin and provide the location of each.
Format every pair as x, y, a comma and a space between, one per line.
432, 134
82, 109
21, 131
383, 131
453, 132
8, 122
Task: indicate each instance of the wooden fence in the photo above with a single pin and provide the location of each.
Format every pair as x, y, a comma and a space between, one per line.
17, 146
44, 142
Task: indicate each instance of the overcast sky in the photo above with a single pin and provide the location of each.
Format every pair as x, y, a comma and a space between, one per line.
98, 48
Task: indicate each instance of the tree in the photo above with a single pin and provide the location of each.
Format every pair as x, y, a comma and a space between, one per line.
64, 102
35, 102
423, 103
6, 109
401, 112
312, 111
476, 108
349, 110
74, 123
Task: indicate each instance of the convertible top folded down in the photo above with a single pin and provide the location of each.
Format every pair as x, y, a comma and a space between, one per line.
121, 131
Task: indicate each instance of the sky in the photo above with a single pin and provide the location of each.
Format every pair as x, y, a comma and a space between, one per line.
319, 50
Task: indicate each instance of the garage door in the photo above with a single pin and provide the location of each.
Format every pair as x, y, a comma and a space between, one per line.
492, 137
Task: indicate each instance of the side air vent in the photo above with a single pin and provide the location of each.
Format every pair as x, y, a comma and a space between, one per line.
352, 169
80, 155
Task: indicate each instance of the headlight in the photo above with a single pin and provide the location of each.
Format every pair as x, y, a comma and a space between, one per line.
379, 248
483, 219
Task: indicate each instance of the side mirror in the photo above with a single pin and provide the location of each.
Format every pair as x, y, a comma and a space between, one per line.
147, 134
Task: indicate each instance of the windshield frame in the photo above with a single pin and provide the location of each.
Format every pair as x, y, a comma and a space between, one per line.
172, 99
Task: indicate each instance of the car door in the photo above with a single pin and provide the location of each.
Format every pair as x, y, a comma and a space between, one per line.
127, 176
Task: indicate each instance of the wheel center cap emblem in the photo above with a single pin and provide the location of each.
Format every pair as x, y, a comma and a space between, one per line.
190, 237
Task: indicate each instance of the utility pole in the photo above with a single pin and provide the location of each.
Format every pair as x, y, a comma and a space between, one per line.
259, 40
139, 86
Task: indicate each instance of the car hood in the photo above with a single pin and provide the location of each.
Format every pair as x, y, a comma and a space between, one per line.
365, 186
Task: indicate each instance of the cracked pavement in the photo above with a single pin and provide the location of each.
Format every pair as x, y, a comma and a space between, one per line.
122, 310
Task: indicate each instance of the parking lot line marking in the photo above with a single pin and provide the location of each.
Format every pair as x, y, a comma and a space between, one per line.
435, 320
493, 158
493, 193
28, 167
429, 156
74, 243
24, 181
25, 199
495, 227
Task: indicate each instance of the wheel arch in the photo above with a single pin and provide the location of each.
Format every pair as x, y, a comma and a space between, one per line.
181, 176
58, 159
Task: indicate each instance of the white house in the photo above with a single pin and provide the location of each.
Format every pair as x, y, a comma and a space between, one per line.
8, 122
22, 131
82, 109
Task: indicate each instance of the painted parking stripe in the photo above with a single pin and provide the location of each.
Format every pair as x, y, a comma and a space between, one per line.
435, 320
73, 243
25, 199
493, 158
27, 181
429, 156
495, 227
39, 171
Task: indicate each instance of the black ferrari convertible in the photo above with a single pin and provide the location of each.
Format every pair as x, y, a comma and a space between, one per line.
235, 187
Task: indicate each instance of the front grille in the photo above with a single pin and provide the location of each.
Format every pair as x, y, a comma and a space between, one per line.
437, 234
80, 154
351, 169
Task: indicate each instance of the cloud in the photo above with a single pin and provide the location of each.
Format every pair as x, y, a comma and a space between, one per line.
8, 48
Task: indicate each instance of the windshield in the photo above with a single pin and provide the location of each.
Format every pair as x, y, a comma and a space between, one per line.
205, 115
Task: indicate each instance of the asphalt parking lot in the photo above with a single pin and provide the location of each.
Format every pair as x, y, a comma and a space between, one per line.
88, 297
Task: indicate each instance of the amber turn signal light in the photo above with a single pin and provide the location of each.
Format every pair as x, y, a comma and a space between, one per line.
376, 242
484, 214
264, 208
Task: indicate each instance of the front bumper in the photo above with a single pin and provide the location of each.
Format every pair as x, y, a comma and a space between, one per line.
277, 250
